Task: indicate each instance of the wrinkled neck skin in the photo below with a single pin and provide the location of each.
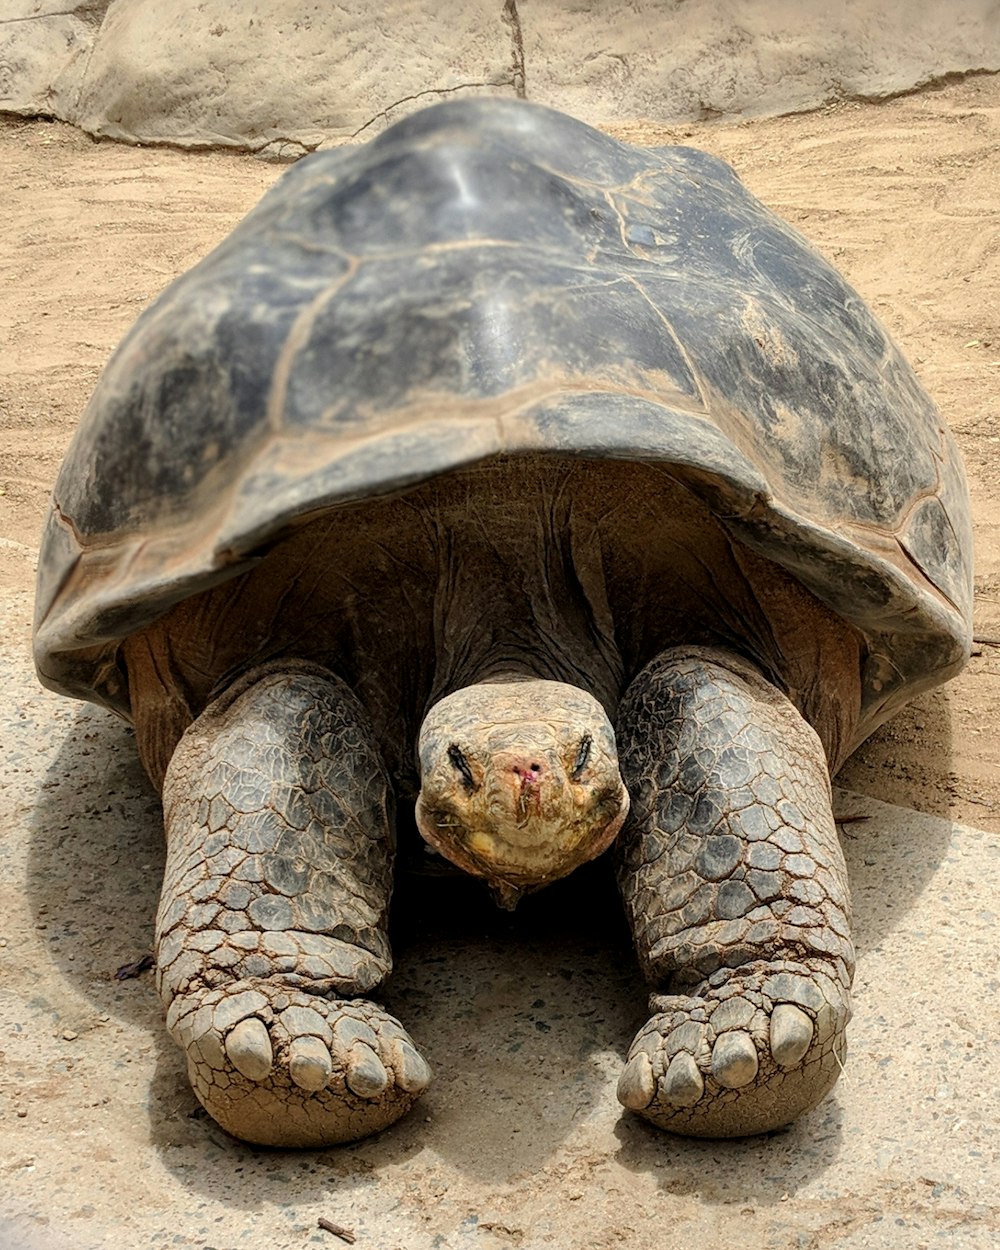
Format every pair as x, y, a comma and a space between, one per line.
520, 590
519, 781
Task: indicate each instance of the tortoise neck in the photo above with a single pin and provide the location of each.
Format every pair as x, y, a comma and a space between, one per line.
588, 673
521, 589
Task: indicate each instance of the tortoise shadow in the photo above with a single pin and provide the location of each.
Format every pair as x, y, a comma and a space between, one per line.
95, 862
525, 1018
892, 765
748, 1172
510, 1011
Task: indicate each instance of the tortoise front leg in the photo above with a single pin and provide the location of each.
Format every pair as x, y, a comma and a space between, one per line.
736, 892
272, 923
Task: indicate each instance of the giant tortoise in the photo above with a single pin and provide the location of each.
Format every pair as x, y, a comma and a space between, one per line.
553, 490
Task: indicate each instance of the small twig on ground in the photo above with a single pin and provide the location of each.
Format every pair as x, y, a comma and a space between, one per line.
344, 1234
986, 642
135, 969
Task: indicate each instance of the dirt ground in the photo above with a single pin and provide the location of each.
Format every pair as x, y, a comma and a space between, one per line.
901, 196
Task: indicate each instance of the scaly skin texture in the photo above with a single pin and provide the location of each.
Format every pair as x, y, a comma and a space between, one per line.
272, 922
735, 889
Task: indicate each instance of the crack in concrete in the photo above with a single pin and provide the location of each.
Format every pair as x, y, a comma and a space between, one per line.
90, 14
512, 18
86, 68
462, 86
518, 79
259, 148
37, 17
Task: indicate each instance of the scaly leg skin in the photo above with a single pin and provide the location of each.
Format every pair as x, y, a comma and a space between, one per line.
736, 892
272, 922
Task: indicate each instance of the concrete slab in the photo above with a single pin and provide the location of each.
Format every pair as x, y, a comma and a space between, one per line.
526, 1019
281, 76
623, 59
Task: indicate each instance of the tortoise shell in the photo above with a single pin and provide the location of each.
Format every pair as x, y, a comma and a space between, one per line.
492, 278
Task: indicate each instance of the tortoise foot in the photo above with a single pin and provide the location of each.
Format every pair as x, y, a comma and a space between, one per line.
282, 1067
748, 1051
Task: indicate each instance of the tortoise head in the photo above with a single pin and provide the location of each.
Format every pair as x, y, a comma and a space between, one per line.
519, 782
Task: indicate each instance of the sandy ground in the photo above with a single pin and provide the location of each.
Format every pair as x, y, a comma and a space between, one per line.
525, 1021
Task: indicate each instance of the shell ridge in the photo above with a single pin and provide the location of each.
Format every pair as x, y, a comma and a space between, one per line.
453, 291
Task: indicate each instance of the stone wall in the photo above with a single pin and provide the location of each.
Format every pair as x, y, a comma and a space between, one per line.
285, 76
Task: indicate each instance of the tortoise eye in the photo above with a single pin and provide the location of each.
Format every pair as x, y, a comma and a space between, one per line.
582, 756
460, 763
